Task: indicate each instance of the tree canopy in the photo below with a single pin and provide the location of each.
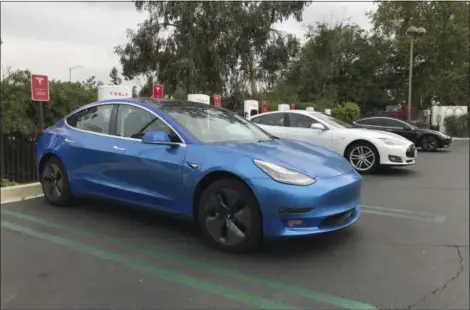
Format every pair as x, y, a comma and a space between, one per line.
234, 49
211, 47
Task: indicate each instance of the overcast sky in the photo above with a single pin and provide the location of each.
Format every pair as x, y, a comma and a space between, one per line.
51, 37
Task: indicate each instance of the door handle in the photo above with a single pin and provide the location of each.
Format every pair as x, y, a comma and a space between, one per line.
68, 141
118, 148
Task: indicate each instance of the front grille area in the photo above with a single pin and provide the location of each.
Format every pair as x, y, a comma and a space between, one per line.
337, 219
410, 152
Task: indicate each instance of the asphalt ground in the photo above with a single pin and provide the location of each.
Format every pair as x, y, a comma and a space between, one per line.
409, 249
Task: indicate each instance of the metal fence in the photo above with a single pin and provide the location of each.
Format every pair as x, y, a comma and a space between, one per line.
17, 158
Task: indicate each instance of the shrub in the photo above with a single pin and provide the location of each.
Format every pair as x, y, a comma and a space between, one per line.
457, 126
6, 182
347, 112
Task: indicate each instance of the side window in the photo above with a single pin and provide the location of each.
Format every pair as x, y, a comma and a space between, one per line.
135, 122
391, 123
370, 121
300, 121
94, 119
274, 119
256, 120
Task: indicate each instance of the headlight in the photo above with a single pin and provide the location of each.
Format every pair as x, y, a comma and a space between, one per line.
283, 175
443, 135
391, 141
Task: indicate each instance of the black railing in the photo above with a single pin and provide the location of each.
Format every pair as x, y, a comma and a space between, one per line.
17, 158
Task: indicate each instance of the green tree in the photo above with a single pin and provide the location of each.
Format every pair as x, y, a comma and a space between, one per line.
441, 56
337, 64
21, 115
213, 47
114, 76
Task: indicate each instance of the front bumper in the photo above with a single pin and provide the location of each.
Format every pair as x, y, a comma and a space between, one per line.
445, 142
329, 204
398, 155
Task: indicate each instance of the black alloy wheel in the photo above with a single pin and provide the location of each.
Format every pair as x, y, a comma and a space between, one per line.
229, 216
55, 184
429, 143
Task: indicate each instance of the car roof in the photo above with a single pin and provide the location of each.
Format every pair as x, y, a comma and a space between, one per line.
153, 101
303, 112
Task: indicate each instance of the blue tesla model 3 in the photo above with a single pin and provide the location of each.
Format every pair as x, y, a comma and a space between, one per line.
236, 181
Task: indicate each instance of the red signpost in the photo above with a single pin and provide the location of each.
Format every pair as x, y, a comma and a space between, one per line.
157, 91
292, 106
217, 100
39, 87
40, 93
264, 106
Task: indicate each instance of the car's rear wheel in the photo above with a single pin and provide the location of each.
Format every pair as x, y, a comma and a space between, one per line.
229, 216
429, 143
363, 156
55, 182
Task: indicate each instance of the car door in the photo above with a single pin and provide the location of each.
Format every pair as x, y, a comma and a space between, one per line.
299, 128
274, 123
86, 149
148, 173
399, 127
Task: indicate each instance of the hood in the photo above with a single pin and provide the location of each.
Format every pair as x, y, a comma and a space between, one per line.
312, 160
430, 131
375, 134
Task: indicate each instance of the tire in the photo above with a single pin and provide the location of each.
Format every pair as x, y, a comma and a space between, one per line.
429, 143
363, 152
226, 208
55, 183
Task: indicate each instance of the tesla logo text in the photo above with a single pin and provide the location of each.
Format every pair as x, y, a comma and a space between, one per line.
39, 79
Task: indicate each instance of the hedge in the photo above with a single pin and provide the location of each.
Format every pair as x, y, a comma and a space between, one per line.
457, 126
348, 112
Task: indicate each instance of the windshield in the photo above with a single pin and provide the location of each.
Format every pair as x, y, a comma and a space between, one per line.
331, 120
209, 124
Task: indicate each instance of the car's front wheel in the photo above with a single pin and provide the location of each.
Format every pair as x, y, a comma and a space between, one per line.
363, 156
429, 143
229, 216
55, 182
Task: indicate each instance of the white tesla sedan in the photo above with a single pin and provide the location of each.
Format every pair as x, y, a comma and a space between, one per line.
365, 149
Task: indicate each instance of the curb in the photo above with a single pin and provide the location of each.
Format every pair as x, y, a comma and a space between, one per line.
20, 192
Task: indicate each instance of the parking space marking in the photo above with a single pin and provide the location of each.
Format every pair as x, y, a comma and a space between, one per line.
406, 214
224, 271
214, 288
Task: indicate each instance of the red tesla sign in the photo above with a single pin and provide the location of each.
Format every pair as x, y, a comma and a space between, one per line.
157, 91
217, 99
39, 87
292, 106
264, 106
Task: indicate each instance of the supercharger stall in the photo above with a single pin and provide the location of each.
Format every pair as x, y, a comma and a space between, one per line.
201, 98
112, 92
283, 107
250, 108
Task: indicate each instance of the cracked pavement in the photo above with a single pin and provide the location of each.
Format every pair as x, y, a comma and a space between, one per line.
386, 261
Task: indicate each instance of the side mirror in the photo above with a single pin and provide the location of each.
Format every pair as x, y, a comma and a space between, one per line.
156, 137
317, 126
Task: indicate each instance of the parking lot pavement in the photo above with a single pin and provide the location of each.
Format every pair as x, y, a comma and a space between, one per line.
408, 250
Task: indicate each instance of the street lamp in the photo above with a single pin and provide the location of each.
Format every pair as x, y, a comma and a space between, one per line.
413, 32
70, 72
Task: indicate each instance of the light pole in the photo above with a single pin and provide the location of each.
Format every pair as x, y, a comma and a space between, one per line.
413, 32
70, 72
